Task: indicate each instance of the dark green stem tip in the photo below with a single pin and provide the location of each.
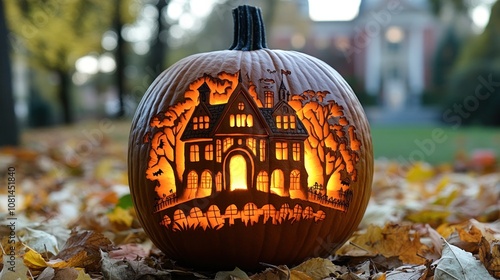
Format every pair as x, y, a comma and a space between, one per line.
249, 31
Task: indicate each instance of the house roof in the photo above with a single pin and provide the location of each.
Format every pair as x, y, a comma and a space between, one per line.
217, 112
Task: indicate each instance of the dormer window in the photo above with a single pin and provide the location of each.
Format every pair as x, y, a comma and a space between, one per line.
201, 122
286, 122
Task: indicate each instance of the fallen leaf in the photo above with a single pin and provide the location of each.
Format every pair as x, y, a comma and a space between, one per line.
459, 264
34, 260
234, 274
70, 273
13, 269
271, 273
128, 251
121, 216
318, 268
489, 254
39, 240
419, 172
299, 275
47, 274
391, 240
129, 269
83, 249
408, 272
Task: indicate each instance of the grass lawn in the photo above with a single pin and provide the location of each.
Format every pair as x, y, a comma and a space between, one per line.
431, 143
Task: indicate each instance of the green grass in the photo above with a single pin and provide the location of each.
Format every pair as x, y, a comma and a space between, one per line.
400, 142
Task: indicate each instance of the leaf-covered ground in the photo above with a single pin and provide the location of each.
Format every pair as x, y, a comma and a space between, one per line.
70, 217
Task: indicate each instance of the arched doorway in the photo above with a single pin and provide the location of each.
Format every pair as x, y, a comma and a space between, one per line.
238, 173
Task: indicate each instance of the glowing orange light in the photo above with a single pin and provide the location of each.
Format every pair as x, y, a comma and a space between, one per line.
238, 173
202, 145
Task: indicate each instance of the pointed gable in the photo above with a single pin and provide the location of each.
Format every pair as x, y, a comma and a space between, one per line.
283, 121
241, 115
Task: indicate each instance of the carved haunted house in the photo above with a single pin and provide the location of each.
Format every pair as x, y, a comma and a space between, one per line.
238, 145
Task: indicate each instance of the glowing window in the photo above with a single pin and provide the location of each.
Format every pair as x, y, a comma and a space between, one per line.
269, 99
192, 180
295, 180
206, 180
277, 181
296, 151
228, 142
231, 120
195, 123
262, 150
218, 182
249, 121
218, 152
209, 152
263, 181
252, 145
293, 124
204, 122
241, 106
281, 150
194, 153
286, 122
241, 120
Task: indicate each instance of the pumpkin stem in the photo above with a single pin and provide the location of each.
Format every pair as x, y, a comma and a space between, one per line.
249, 32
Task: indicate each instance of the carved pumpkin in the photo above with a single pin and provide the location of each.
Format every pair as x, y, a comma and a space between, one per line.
249, 155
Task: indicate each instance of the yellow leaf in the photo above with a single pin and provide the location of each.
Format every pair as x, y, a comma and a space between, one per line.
299, 275
82, 275
121, 216
34, 260
429, 216
447, 199
420, 172
442, 184
445, 230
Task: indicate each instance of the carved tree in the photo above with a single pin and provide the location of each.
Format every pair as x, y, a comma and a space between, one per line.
332, 144
166, 156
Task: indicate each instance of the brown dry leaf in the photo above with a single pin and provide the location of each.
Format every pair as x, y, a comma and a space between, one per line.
70, 273
272, 273
318, 268
391, 240
130, 269
83, 249
128, 251
468, 235
409, 272
489, 254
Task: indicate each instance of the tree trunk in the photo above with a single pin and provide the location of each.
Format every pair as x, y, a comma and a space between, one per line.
120, 60
9, 133
64, 97
159, 48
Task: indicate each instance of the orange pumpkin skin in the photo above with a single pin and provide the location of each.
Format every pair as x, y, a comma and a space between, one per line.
206, 223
